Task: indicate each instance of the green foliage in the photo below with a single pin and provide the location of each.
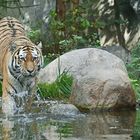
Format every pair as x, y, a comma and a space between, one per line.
136, 132
49, 58
75, 30
60, 89
78, 29
134, 70
34, 35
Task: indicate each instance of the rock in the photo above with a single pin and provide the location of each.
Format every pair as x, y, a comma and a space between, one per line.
37, 11
100, 79
64, 109
120, 52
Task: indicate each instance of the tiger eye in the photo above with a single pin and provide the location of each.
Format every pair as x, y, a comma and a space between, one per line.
35, 58
22, 58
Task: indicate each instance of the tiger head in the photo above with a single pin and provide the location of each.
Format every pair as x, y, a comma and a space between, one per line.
26, 60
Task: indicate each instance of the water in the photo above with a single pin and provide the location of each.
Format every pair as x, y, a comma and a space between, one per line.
42, 125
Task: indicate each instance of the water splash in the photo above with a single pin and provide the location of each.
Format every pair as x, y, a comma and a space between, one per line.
17, 103
8, 105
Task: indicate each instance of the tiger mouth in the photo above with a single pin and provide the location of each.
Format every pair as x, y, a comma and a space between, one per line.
30, 75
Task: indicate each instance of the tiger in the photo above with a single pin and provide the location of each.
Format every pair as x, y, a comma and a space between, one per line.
20, 63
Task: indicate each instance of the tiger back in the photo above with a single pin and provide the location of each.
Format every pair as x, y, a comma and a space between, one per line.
10, 28
20, 63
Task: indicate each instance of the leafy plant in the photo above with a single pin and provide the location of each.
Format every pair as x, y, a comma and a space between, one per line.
60, 89
136, 132
34, 35
134, 70
75, 30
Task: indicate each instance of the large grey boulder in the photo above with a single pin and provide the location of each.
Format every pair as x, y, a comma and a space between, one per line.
100, 79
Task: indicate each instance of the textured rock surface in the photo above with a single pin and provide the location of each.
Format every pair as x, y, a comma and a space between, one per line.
31, 12
120, 52
64, 109
100, 79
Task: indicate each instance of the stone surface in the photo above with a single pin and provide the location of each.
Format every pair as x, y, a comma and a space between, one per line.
120, 52
100, 79
32, 13
64, 109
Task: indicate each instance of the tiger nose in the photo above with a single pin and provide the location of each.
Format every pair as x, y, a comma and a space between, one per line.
30, 70
30, 67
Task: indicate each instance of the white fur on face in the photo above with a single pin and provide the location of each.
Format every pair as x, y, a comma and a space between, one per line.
34, 53
22, 54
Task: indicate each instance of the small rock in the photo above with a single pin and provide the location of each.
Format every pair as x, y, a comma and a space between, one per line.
64, 109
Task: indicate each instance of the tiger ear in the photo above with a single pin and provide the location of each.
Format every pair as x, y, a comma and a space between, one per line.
39, 45
13, 47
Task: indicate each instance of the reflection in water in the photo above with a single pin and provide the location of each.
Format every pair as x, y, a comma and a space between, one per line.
109, 126
16, 130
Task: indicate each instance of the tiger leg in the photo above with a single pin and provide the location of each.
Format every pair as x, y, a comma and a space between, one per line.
32, 95
8, 103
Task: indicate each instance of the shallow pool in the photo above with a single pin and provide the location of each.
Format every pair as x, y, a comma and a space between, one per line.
123, 125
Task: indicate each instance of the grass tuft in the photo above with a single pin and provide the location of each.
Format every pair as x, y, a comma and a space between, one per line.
60, 89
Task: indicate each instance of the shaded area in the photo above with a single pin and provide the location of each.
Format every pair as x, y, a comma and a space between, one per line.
120, 23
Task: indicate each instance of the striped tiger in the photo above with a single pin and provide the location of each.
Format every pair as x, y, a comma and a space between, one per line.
20, 63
